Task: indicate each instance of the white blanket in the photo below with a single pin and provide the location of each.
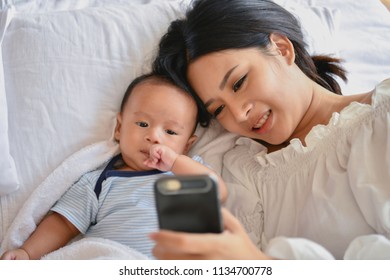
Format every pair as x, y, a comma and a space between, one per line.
51, 189
91, 248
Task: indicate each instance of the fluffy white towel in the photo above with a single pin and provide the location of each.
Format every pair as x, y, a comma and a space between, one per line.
91, 248
51, 189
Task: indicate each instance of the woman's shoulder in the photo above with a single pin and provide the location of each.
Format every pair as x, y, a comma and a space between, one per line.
384, 83
363, 107
381, 93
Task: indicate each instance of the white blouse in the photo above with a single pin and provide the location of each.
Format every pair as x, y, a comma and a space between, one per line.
331, 191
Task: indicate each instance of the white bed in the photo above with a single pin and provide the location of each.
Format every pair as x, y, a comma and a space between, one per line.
65, 66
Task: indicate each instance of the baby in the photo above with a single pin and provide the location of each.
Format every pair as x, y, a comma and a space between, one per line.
155, 130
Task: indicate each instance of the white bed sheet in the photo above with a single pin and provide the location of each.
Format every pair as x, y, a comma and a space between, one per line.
363, 37
9, 182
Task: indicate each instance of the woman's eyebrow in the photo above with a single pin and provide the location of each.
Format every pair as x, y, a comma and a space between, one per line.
226, 77
208, 103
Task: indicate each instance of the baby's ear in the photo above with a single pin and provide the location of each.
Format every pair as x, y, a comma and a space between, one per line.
189, 144
117, 132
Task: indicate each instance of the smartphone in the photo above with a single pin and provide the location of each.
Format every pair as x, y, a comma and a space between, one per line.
188, 203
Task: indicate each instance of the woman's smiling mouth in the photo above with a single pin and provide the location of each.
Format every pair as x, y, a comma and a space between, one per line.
261, 121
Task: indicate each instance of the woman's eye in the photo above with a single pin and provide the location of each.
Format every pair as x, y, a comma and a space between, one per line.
237, 85
142, 124
218, 111
171, 132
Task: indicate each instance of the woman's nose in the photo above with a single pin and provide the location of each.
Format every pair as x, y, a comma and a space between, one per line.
240, 111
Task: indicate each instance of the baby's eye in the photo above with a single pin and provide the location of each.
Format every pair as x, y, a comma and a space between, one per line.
237, 85
218, 111
142, 124
170, 132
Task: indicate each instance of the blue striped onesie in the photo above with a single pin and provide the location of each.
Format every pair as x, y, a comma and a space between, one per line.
124, 212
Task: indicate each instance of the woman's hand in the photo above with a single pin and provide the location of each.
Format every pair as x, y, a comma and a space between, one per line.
233, 243
17, 254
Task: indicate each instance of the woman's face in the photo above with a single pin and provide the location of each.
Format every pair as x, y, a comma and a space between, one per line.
251, 93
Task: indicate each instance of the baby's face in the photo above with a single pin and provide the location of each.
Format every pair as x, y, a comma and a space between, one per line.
155, 113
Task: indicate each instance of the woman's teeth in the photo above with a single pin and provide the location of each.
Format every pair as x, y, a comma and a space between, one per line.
262, 120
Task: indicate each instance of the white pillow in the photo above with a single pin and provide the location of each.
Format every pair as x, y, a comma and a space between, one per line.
362, 40
319, 26
34, 6
9, 181
65, 75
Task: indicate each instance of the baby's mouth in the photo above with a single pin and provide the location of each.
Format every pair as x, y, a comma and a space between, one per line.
261, 121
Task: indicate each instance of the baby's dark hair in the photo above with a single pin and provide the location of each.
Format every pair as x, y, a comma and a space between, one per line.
133, 84
162, 79
216, 25
144, 78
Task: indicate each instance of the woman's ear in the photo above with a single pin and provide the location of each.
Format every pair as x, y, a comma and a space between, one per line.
189, 144
283, 46
117, 133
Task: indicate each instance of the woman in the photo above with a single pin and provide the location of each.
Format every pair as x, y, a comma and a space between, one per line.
322, 172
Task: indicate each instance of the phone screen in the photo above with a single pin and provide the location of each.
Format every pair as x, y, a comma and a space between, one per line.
188, 204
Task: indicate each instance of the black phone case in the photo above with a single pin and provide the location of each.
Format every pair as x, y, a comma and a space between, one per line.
188, 204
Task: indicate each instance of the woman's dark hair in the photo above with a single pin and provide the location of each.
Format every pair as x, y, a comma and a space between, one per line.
215, 25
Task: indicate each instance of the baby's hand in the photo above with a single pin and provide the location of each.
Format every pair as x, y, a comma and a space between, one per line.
17, 254
161, 157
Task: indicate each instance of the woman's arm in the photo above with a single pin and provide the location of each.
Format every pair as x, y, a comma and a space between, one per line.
165, 159
186, 165
233, 243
